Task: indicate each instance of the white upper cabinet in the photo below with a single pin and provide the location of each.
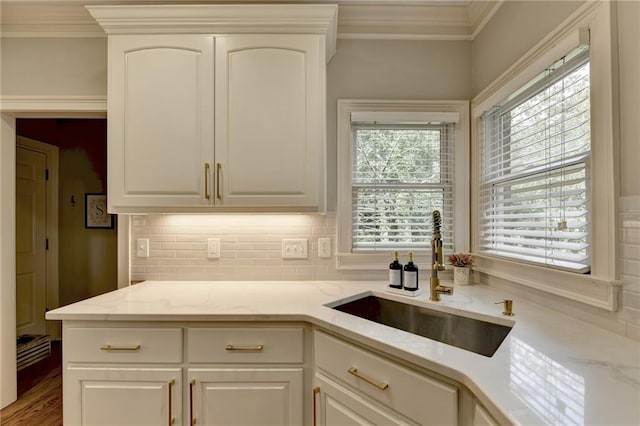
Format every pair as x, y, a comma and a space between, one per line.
269, 120
160, 120
241, 129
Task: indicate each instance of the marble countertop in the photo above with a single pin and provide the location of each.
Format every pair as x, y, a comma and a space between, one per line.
551, 368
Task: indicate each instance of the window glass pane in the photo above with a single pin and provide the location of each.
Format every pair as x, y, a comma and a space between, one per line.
386, 155
400, 174
535, 193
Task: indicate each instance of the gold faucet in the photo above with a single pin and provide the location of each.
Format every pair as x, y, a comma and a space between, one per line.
436, 256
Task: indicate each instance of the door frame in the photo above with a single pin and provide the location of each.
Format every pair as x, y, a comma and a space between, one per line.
45, 107
52, 152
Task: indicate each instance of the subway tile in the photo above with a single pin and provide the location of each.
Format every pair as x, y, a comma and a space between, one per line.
630, 267
630, 315
633, 331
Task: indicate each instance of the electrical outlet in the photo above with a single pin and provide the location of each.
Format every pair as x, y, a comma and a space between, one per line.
324, 247
295, 249
213, 248
142, 247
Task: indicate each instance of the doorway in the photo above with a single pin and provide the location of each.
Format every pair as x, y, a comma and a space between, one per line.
36, 213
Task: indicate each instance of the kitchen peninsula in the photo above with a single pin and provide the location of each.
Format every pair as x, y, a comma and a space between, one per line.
550, 369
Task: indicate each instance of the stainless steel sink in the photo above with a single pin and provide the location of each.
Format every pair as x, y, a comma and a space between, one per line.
474, 335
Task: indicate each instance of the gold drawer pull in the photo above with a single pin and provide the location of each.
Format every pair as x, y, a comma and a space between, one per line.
316, 391
119, 348
218, 171
206, 181
245, 348
172, 419
354, 371
192, 420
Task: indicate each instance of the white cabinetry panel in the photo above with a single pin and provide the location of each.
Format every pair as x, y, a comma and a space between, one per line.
119, 396
269, 119
160, 119
247, 396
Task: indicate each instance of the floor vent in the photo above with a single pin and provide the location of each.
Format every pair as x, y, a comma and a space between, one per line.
32, 348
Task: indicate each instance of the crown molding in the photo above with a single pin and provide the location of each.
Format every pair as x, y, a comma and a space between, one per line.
356, 19
68, 104
221, 19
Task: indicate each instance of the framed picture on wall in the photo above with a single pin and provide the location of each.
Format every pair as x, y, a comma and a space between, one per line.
95, 215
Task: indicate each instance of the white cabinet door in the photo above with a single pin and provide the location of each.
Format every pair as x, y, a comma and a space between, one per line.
246, 396
160, 120
270, 111
339, 406
482, 418
118, 396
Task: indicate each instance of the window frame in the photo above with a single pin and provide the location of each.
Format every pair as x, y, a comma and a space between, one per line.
345, 257
600, 287
494, 119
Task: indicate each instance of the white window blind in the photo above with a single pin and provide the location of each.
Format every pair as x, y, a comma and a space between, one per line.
534, 192
400, 174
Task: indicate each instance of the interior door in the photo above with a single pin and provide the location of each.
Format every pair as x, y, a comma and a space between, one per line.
31, 285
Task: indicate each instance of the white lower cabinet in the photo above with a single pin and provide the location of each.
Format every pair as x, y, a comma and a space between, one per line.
481, 417
338, 405
368, 386
246, 396
111, 395
242, 374
145, 374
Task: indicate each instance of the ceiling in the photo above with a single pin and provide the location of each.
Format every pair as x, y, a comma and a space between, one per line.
357, 19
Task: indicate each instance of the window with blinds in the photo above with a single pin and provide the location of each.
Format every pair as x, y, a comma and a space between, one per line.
400, 174
534, 191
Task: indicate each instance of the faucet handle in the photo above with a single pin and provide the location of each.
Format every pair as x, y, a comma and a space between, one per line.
508, 307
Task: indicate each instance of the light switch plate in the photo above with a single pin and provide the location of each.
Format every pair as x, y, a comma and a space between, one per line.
142, 247
324, 247
295, 248
213, 248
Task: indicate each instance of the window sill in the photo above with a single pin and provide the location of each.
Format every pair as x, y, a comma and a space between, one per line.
587, 289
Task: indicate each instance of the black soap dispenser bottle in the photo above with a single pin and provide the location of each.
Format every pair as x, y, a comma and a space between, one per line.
395, 272
410, 275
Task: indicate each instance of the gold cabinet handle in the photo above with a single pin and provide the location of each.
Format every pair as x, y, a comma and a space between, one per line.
354, 371
206, 181
120, 348
316, 391
192, 420
218, 173
245, 348
172, 420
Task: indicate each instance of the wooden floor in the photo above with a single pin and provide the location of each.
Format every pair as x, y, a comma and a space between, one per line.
39, 394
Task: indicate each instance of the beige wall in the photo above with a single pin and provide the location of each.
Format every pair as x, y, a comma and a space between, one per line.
54, 66
515, 28
629, 54
383, 69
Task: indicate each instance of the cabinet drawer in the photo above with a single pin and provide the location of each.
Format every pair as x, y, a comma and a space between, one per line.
123, 345
245, 345
423, 399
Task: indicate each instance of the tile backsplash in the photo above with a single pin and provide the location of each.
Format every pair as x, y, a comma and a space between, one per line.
250, 248
630, 265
